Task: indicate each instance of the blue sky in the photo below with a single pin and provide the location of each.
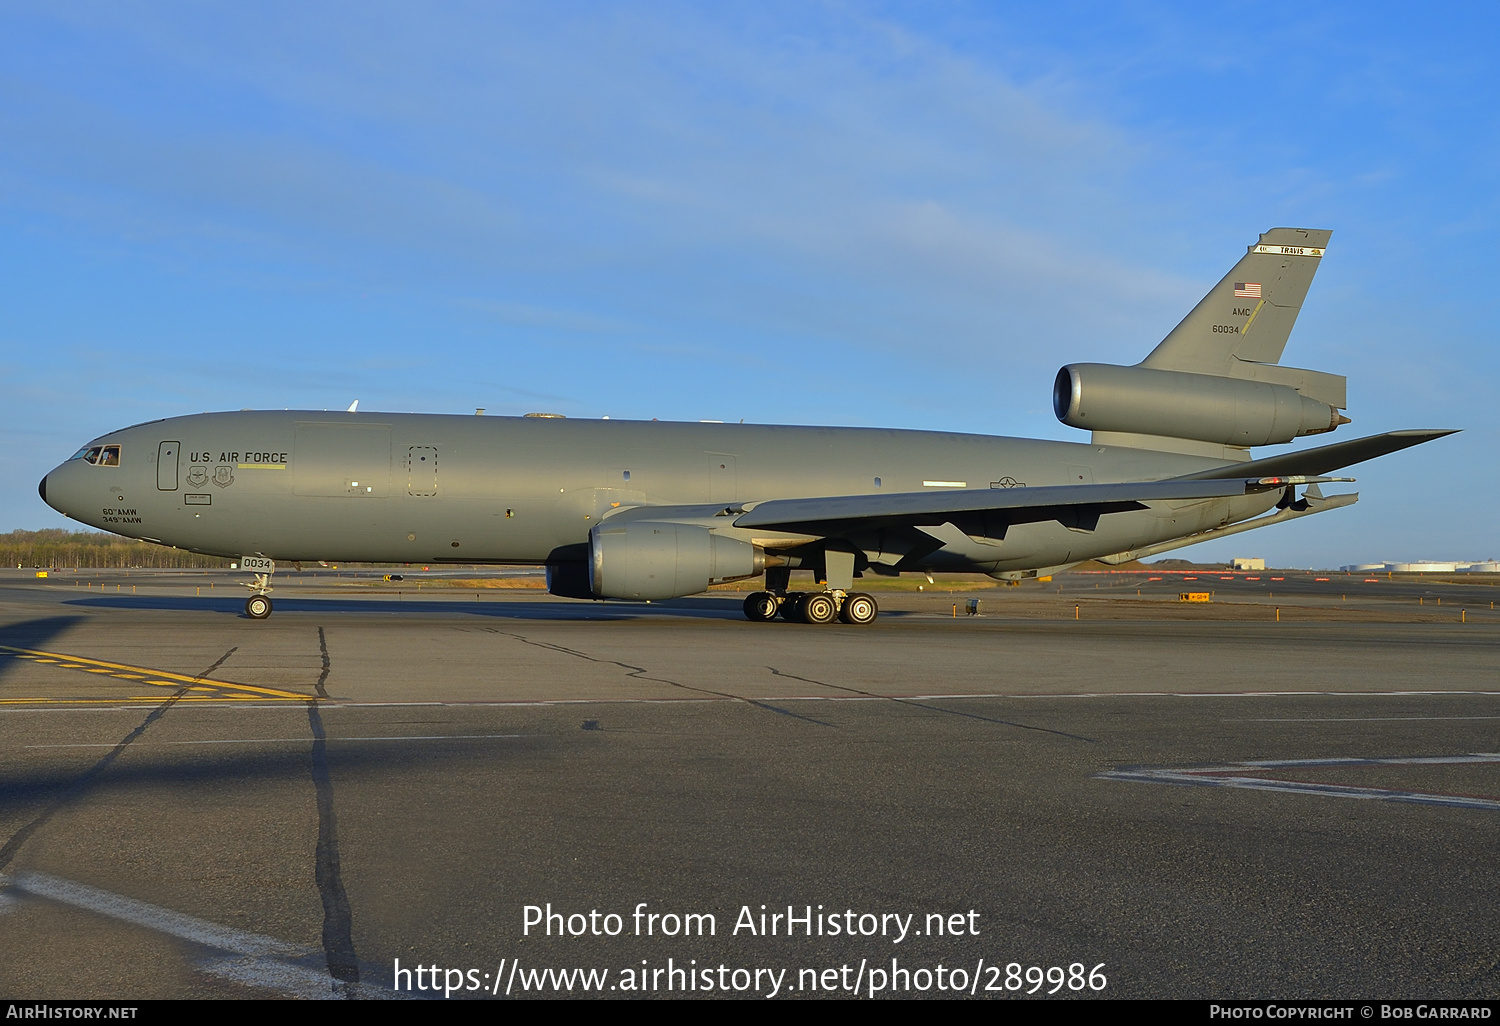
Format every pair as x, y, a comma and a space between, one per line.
875, 214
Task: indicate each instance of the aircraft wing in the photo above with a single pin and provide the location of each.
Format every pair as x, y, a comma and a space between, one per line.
988, 511
1324, 458
1077, 505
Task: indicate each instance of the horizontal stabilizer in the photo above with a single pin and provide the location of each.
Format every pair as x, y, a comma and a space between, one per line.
1322, 459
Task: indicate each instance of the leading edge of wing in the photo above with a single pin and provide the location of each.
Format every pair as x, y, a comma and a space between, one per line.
921, 508
1324, 458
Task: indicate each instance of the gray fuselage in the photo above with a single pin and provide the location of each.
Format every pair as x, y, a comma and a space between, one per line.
424, 488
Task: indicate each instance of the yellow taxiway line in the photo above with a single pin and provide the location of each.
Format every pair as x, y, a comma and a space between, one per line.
144, 700
142, 675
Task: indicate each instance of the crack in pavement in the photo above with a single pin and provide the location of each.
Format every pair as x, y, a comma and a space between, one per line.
338, 918
932, 708
640, 673
327, 665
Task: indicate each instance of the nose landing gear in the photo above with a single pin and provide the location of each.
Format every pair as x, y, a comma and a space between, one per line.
258, 605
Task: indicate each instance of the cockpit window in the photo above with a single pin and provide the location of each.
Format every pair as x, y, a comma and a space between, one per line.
98, 455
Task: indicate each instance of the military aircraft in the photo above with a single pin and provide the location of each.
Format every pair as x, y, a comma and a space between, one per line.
648, 510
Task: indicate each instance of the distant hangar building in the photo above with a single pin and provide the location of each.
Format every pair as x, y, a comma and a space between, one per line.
1425, 566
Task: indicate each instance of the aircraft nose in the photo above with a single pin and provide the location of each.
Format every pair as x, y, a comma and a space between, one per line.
58, 491
63, 490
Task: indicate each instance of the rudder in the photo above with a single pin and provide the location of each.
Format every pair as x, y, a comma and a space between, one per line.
1248, 316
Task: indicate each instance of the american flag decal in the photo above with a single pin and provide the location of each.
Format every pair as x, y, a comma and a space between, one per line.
1247, 290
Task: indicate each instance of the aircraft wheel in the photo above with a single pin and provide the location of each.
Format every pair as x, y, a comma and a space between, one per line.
819, 609
257, 607
859, 609
761, 606
791, 608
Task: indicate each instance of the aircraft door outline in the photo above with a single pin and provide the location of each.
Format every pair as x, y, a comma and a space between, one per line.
422, 470
167, 454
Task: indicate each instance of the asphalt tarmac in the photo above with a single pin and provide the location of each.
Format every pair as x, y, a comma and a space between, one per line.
1150, 800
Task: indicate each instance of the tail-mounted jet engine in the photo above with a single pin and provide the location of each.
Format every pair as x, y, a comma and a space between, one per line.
1178, 404
651, 560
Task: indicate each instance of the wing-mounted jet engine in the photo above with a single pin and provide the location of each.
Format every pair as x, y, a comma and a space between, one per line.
646, 559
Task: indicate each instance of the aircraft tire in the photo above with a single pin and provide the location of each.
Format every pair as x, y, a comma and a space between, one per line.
819, 608
859, 609
761, 607
257, 607
791, 608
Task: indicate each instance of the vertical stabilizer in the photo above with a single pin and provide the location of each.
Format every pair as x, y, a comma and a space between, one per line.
1248, 315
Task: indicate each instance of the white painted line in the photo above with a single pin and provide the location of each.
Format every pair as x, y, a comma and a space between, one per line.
154, 917
1364, 719
278, 705
261, 961
1232, 775
293, 740
292, 980
1402, 760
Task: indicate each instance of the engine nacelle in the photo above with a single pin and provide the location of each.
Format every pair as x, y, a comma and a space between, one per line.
650, 560
1177, 404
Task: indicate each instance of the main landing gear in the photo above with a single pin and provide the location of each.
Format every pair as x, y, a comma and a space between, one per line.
855, 608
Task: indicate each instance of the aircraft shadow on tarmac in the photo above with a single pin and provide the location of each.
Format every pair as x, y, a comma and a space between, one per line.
37, 633
699, 608
187, 766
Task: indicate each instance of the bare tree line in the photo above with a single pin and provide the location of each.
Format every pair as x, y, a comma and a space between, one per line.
54, 547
